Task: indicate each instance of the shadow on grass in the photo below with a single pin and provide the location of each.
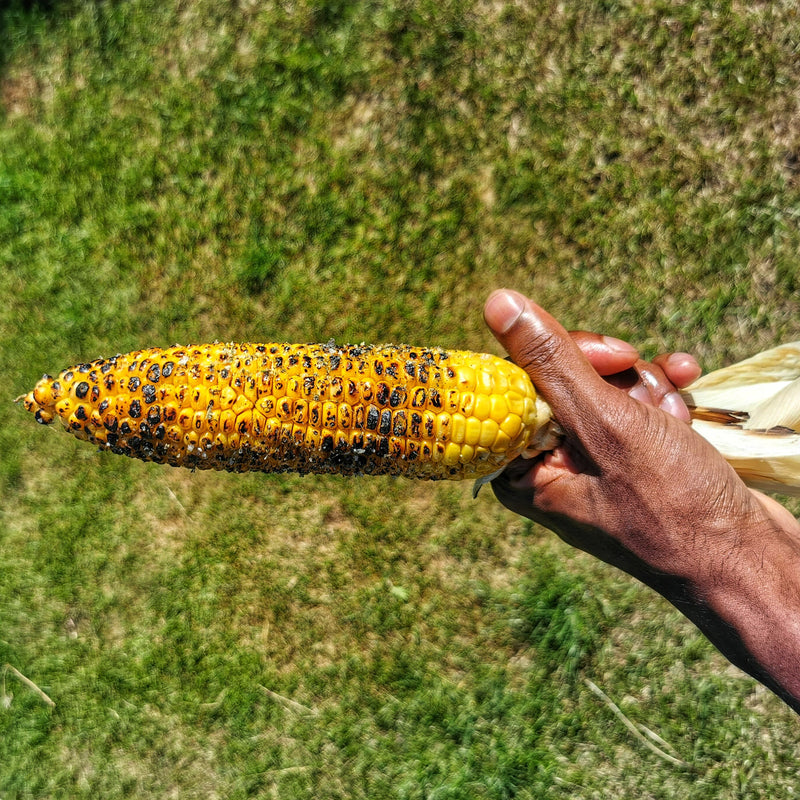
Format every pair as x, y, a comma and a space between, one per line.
19, 19
22, 20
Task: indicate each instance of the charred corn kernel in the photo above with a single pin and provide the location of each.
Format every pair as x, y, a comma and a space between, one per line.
185, 416
466, 376
451, 401
419, 412
443, 428
467, 404
227, 397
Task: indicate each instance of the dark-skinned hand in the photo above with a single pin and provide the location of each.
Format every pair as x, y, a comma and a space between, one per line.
634, 485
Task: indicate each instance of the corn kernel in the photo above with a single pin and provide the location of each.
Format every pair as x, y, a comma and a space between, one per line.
174, 433
242, 404
466, 378
484, 382
206, 441
227, 421
313, 437
300, 412
329, 415
511, 426
185, 417
502, 442
452, 401
483, 407
520, 383
499, 382
452, 454
499, 408
529, 412
443, 427
199, 397
259, 423
472, 431
489, 431
516, 403
64, 407
458, 430
284, 408
227, 397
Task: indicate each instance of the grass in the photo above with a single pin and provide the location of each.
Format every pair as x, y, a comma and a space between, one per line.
369, 171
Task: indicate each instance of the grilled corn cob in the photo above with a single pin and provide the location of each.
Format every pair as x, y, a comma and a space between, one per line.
418, 412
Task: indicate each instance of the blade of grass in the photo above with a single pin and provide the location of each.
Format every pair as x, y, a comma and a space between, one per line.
615, 709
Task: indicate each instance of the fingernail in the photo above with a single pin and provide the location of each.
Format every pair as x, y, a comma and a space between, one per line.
503, 309
641, 394
619, 346
673, 404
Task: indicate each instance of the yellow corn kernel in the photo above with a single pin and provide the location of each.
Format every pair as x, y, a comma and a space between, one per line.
483, 407
502, 443
499, 406
484, 382
64, 407
467, 454
499, 382
511, 426
452, 454
489, 431
418, 412
515, 403
458, 432
472, 431
185, 416
443, 427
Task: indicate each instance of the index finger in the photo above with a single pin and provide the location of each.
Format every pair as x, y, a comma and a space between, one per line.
607, 354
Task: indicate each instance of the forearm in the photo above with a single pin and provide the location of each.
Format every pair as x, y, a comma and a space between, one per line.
752, 614
746, 600
742, 590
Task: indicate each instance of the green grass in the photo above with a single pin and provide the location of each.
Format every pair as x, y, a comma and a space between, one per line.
369, 171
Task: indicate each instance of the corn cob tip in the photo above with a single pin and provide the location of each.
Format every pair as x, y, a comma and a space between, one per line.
418, 412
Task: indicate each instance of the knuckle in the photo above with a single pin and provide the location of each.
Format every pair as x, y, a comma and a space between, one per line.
539, 350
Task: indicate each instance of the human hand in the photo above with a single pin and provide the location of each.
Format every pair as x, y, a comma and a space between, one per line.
637, 488
618, 485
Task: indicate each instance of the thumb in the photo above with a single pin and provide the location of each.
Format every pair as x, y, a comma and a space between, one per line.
543, 348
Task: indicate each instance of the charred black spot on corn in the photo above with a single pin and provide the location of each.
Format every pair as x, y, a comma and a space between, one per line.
418, 412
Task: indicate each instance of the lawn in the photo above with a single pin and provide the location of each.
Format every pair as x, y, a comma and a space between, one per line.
189, 171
